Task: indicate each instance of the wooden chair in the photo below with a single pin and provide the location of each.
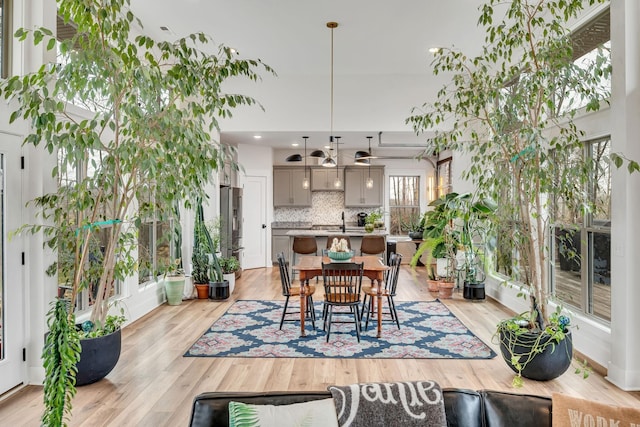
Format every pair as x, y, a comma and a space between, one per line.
389, 291
288, 291
372, 245
303, 245
342, 286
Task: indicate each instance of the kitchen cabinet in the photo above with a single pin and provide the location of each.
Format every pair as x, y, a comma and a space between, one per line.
279, 243
356, 193
322, 179
287, 188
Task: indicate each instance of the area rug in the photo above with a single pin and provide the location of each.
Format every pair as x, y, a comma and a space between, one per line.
428, 331
251, 329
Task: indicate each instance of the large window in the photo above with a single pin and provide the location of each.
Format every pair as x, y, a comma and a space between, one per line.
158, 241
582, 251
404, 202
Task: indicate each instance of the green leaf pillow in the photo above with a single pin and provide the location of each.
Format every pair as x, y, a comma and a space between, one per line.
315, 413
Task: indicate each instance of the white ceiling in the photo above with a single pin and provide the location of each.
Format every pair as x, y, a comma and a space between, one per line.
381, 61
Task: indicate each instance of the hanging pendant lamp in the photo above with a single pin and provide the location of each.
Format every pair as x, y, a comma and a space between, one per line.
329, 162
337, 183
305, 181
363, 157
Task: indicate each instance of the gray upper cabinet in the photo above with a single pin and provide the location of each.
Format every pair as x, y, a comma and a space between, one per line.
322, 179
356, 193
287, 187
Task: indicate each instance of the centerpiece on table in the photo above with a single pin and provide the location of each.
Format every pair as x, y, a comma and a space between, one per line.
339, 250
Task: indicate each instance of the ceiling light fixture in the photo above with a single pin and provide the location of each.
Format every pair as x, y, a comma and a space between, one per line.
362, 157
337, 183
305, 181
328, 161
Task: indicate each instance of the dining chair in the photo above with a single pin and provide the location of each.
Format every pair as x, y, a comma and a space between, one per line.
372, 245
370, 292
289, 291
342, 286
304, 245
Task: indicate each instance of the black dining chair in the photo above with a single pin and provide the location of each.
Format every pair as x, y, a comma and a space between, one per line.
388, 291
289, 291
342, 286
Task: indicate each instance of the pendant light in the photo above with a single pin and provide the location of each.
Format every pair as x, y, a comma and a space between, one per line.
363, 157
337, 183
305, 181
369, 182
329, 162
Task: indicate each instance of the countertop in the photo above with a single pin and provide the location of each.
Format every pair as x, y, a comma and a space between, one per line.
352, 232
291, 225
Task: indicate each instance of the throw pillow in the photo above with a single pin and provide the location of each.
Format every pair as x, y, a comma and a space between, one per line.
315, 413
571, 411
406, 404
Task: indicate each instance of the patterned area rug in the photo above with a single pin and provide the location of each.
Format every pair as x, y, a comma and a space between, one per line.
428, 331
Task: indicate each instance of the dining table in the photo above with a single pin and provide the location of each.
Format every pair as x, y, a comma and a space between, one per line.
310, 266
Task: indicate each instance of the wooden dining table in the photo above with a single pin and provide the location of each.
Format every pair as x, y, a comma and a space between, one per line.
310, 266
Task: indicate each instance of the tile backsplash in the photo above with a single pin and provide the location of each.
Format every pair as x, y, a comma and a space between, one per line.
326, 209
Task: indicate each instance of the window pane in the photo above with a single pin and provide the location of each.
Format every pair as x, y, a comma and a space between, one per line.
145, 243
600, 289
567, 266
404, 202
600, 151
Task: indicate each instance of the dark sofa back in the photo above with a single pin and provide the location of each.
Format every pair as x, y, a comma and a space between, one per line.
464, 408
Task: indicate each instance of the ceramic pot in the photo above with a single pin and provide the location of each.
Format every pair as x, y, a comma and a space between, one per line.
552, 362
174, 288
203, 290
445, 289
98, 357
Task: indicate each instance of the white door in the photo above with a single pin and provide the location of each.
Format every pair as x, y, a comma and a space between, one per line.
254, 232
12, 366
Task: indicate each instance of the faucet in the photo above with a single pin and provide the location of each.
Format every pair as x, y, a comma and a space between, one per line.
343, 227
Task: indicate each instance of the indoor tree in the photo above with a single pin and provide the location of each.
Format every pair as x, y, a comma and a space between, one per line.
143, 142
511, 110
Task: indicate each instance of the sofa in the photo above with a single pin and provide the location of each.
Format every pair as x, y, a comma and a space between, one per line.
463, 408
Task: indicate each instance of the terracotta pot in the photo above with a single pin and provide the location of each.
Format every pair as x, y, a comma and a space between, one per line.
445, 290
432, 285
203, 290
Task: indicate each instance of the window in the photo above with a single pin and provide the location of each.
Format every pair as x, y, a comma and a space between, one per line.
156, 245
404, 202
6, 36
444, 177
582, 252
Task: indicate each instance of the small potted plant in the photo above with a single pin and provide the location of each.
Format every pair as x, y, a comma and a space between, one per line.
200, 272
414, 226
174, 282
229, 268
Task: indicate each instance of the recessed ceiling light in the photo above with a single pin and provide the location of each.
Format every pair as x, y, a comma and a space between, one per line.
233, 50
434, 49
295, 144
327, 147
257, 136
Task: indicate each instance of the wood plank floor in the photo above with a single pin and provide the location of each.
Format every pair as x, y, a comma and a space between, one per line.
153, 385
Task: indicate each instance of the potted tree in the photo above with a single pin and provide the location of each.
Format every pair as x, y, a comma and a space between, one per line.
513, 119
144, 103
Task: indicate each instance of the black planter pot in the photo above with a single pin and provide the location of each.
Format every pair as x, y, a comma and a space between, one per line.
545, 366
415, 235
219, 290
98, 357
473, 291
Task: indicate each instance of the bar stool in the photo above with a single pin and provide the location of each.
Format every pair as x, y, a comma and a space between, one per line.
372, 245
304, 245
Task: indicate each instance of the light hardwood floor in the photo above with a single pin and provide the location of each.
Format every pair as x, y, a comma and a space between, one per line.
153, 385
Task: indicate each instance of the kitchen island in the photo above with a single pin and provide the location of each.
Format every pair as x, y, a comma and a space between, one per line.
355, 235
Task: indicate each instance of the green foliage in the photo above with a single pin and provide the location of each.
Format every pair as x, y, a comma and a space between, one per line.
200, 266
111, 324
146, 136
229, 265
507, 109
60, 355
143, 144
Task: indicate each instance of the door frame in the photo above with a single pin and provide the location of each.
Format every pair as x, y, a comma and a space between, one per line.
13, 367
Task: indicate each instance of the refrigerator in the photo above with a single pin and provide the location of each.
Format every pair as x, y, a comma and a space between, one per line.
231, 223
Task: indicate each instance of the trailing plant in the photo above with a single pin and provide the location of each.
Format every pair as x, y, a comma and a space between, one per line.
60, 354
142, 145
